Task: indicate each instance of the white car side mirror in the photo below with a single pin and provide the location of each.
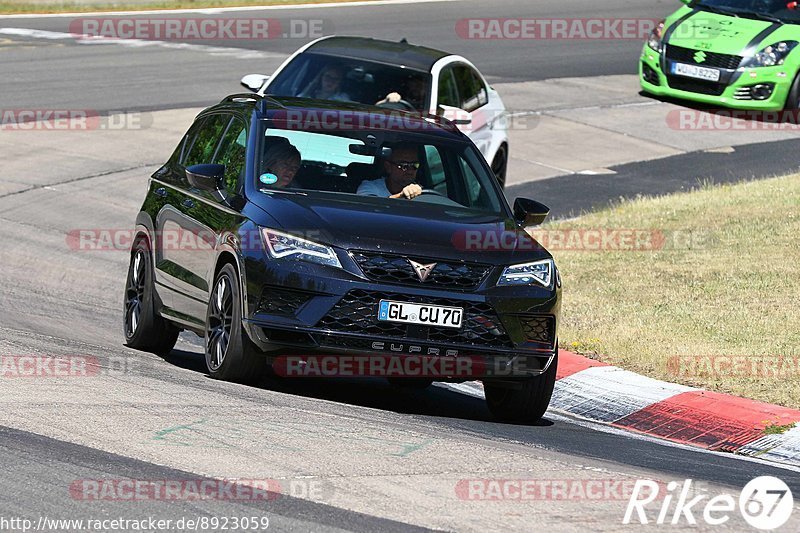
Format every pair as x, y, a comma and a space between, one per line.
254, 82
456, 115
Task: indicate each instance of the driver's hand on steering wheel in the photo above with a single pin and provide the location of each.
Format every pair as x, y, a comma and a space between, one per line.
409, 192
391, 98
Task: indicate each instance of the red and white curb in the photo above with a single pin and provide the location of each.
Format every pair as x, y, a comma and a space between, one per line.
610, 395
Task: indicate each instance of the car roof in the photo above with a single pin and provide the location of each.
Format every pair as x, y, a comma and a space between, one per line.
326, 115
306, 114
399, 53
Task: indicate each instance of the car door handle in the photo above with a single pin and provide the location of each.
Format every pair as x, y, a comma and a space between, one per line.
161, 191
188, 203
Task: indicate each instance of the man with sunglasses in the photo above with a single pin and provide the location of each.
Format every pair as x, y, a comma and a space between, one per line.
400, 172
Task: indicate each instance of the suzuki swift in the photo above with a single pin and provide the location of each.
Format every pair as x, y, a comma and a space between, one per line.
733, 53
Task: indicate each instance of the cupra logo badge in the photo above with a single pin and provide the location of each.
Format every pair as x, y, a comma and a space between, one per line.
699, 57
423, 271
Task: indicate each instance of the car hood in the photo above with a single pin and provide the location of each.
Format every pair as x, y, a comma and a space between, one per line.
722, 34
420, 230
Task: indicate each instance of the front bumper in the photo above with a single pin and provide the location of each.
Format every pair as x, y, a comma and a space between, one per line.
733, 91
305, 309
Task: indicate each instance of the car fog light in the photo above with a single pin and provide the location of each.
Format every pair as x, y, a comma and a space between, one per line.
761, 91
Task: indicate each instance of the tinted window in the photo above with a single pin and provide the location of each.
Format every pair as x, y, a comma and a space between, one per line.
350, 80
204, 146
447, 89
328, 164
232, 153
773, 8
438, 179
188, 140
471, 90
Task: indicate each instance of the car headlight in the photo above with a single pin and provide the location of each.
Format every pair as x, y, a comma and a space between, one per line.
536, 273
770, 56
654, 41
282, 245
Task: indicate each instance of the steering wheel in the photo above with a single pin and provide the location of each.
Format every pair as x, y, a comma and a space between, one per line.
402, 105
430, 191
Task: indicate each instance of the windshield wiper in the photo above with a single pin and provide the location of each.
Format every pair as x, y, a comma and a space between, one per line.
762, 16
718, 10
742, 13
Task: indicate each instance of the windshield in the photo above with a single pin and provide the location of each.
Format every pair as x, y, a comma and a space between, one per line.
350, 80
375, 166
767, 9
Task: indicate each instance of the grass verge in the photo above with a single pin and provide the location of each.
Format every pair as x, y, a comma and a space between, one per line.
26, 6
717, 306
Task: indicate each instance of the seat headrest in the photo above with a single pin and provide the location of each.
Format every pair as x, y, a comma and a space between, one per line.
363, 171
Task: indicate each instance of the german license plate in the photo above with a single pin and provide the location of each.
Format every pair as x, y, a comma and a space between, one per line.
424, 314
694, 71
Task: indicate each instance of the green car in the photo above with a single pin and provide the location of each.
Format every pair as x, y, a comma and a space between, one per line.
732, 53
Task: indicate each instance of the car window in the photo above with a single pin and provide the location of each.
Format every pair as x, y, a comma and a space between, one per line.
471, 89
188, 140
438, 178
232, 153
336, 162
448, 95
472, 184
327, 77
205, 144
781, 9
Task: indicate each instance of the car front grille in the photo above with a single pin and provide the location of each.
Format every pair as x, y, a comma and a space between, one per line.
696, 86
711, 59
282, 301
357, 312
390, 268
538, 328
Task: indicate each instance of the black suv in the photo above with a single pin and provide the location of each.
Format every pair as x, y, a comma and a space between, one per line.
324, 264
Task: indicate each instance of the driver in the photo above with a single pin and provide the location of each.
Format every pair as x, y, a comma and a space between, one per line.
399, 174
413, 91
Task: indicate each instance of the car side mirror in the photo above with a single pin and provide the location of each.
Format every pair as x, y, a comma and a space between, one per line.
206, 177
254, 82
456, 115
530, 212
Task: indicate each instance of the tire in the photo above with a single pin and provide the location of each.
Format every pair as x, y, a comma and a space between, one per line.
410, 383
230, 354
525, 405
500, 166
793, 99
143, 327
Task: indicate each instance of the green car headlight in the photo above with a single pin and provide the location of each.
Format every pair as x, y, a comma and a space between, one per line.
770, 56
282, 245
536, 273
656, 36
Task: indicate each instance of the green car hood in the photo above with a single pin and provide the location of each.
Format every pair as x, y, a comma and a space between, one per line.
703, 30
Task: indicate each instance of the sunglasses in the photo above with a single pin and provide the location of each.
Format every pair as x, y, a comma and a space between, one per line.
405, 166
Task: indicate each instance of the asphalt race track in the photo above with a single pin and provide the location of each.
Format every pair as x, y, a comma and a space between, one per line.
353, 455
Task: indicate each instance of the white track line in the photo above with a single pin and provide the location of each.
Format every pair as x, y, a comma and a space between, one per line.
214, 10
239, 53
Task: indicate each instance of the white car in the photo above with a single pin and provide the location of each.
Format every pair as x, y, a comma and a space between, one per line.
397, 75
